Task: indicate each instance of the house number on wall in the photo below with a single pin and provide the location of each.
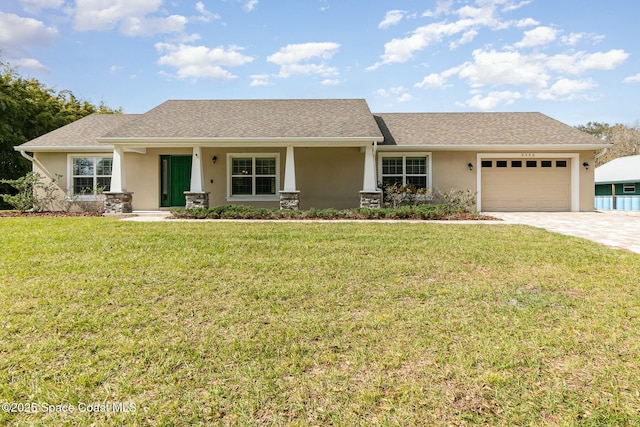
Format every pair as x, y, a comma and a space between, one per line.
528, 155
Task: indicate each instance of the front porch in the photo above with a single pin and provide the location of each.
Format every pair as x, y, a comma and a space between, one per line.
285, 176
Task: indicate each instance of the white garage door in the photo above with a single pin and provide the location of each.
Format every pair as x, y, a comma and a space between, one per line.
526, 184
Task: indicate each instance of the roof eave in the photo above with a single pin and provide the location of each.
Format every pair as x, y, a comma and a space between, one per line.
66, 149
246, 142
493, 147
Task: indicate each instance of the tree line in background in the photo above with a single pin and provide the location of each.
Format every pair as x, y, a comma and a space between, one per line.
625, 140
29, 109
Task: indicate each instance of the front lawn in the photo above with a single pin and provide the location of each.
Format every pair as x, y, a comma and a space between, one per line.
273, 323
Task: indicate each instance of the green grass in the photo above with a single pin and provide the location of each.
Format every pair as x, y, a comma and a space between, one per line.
316, 324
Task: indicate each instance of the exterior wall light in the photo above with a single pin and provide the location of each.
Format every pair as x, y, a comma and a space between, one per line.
214, 159
470, 166
586, 165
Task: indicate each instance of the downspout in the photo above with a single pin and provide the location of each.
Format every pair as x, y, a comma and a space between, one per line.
26, 156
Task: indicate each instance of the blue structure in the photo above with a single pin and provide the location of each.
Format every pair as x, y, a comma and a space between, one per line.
618, 185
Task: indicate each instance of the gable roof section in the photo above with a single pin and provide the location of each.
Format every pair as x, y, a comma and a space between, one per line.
253, 120
481, 130
79, 135
622, 169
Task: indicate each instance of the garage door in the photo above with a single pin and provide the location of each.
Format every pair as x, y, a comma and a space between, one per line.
526, 185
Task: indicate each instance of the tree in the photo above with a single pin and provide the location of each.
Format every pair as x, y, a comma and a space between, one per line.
29, 109
625, 140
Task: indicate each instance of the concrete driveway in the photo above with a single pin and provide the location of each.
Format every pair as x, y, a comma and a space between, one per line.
616, 229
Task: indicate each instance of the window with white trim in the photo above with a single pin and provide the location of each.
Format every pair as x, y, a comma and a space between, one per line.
629, 188
90, 175
253, 176
405, 169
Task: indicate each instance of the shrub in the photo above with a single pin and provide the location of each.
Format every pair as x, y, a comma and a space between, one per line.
32, 193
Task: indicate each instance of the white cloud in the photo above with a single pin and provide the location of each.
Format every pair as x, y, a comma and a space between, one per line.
34, 6
537, 37
260, 80
250, 5
131, 17
200, 61
31, 64
115, 69
393, 17
105, 15
17, 33
503, 68
527, 22
432, 81
205, 15
331, 82
405, 97
134, 26
470, 20
492, 100
566, 89
305, 58
581, 62
632, 79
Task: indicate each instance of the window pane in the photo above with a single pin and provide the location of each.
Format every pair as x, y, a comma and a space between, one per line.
516, 163
265, 185
83, 166
242, 167
417, 181
103, 166
501, 163
487, 163
561, 163
392, 165
390, 180
416, 165
82, 185
241, 185
104, 184
266, 166
532, 164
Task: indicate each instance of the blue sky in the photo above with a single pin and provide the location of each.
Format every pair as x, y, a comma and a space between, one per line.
575, 60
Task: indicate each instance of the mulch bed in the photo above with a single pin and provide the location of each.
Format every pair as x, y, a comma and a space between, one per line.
12, 214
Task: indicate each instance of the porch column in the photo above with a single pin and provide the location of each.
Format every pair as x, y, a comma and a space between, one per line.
196, 196
290, 197
118, 200
370, 196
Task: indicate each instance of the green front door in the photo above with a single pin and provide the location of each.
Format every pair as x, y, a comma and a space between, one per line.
175, 179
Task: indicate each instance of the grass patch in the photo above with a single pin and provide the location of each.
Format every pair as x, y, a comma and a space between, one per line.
316, 324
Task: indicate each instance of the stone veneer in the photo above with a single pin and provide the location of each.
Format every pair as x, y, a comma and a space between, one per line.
289, 200
371, 199
197, 199
118, 202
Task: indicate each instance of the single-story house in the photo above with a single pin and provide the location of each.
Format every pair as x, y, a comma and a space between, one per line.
303, 153
618, 184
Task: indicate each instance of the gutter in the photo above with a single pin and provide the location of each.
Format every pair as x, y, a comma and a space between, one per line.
26, 156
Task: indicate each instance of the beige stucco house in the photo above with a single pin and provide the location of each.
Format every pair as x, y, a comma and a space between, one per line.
314, 153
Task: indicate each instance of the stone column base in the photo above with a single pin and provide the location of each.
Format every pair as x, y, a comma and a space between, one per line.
197, 199
289, 200
371, 199
117, 202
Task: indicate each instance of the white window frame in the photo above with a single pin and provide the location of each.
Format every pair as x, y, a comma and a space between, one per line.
404, 155
70, 175
246, 197
628, 188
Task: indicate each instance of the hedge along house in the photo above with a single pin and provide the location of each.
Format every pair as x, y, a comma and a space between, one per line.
618, 184
314, 153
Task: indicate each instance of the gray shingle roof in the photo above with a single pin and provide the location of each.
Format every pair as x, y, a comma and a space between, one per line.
287, 118
460, 129
622, 169
81, 133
